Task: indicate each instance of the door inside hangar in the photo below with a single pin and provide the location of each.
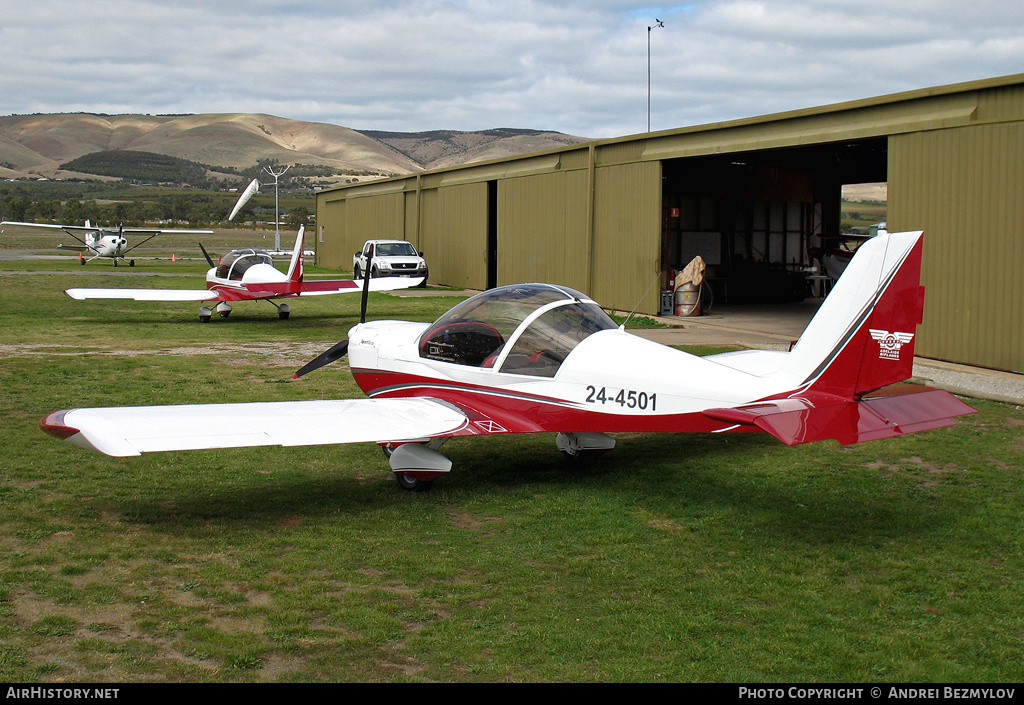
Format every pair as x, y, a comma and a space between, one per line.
759, 218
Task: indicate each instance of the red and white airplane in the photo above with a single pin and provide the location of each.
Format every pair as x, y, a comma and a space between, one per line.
249, 275
536, 358
105, 243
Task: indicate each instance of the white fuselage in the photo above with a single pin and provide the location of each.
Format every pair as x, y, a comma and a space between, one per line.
106, 245
610, 372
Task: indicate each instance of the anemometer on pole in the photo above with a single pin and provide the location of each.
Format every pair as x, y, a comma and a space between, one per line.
277, 216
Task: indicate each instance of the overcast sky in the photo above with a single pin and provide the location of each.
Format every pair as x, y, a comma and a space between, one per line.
576, 66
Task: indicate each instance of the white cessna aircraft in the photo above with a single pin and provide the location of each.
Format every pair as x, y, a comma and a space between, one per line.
105, 243
538, 358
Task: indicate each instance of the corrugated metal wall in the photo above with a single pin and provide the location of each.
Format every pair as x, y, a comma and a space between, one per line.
542, 229
349, 222
453, 234
330, 220
626, 261
965, 188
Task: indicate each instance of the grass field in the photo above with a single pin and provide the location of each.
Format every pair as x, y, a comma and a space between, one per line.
675, 558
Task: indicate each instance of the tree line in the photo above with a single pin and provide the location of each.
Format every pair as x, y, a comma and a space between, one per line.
150, 168
47, 203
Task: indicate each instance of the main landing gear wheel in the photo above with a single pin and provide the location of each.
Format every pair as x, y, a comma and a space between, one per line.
205, 314
408, 482
416, 465
283, 311
583, 449
131, 263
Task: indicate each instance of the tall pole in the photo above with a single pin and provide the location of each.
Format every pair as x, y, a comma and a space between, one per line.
659, 23
277, 216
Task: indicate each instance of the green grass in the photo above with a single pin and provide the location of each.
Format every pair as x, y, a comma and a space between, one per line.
675, 558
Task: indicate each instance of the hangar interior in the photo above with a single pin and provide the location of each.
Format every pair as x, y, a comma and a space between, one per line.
754, 217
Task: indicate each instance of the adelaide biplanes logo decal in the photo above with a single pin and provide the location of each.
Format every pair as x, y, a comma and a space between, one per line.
889, 344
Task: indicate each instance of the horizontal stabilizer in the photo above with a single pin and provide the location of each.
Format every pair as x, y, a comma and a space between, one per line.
892, 411
127, 431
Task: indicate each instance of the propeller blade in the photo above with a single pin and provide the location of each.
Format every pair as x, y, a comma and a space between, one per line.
366, 284
335, 352
206, 255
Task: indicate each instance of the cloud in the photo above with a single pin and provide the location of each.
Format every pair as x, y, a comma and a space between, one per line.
574, 66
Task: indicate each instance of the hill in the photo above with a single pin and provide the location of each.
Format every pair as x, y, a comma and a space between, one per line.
37, 145
442, 148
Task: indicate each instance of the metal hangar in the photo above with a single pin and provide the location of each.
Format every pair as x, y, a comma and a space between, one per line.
616, 217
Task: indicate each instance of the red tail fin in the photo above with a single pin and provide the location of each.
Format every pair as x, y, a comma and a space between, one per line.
877, 348
295, 268
858, 342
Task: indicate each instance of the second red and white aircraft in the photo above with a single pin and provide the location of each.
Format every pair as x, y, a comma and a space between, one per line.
250, 275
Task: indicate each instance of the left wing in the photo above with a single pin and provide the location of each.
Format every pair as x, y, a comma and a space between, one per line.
266, 291
127, 431
52, 226
153, 232
164, 231
144, 294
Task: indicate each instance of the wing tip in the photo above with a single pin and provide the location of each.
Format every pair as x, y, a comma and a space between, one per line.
56, 425
53, 424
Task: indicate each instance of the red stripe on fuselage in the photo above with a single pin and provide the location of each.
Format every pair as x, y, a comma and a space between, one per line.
517, 412
266, 291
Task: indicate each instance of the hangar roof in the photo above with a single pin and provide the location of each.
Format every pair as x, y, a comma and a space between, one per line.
910, 111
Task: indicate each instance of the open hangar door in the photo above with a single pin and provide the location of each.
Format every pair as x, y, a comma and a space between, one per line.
756, 217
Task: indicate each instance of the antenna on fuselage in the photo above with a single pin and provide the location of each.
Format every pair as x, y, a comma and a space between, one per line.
640, 301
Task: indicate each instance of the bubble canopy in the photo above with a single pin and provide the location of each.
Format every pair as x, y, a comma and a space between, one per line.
234, 264
526, 329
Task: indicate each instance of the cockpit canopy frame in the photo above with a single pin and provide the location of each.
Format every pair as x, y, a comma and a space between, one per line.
235, 263
526, 329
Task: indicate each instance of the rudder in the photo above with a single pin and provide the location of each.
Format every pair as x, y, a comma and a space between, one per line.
864, 339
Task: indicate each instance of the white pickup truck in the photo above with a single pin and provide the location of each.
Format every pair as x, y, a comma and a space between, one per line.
391, 258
